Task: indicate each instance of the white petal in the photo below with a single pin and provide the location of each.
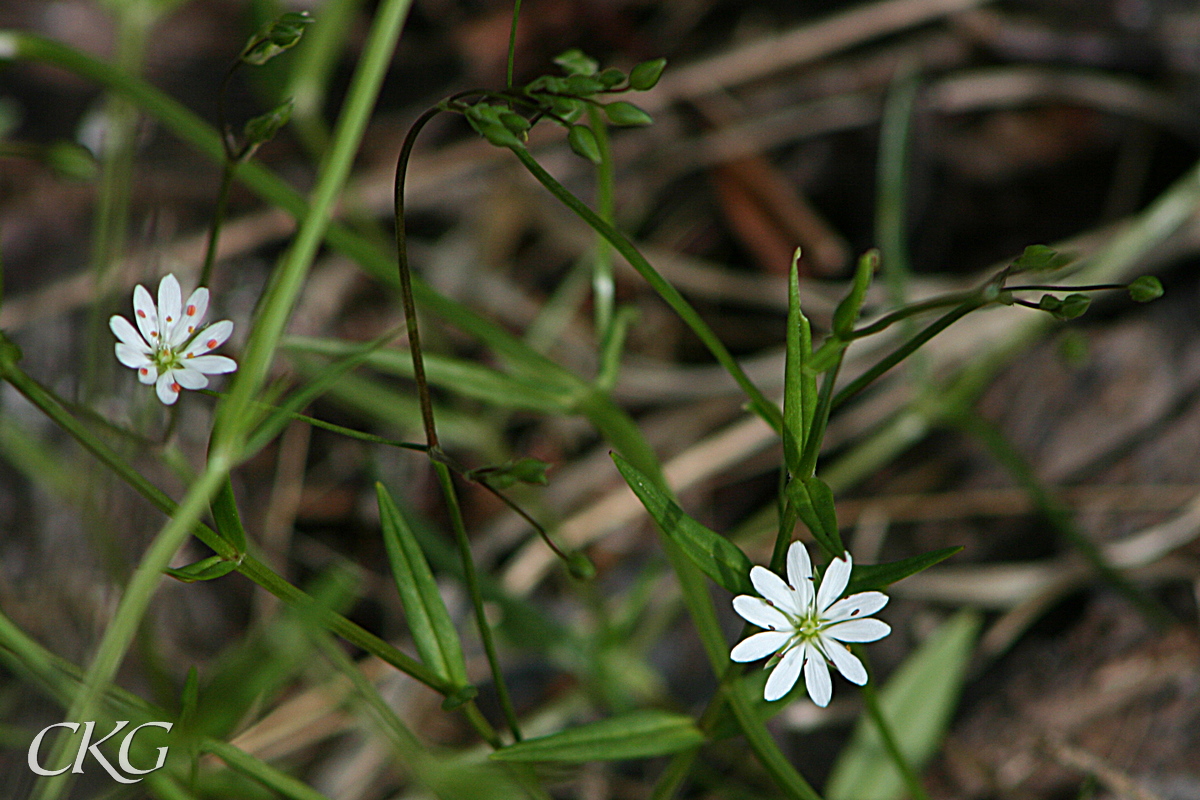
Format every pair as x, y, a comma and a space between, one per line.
837, 575
148, 374
756, 611
170, 306
190, 378
131, 356
800, 574
212, 365
124, 330
168, 390
784, 676
772, 587
816, 676
145, 315
846, 662
210, 338
193, 314
857, 630
860, 605
760, 645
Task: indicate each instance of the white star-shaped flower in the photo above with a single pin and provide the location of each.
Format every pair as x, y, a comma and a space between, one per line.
168, 351
805, 628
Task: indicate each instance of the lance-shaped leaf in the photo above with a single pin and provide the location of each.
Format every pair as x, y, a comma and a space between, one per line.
917, 701
866, 577
428, 620
636, 734
225, 515
813, 501
799, 382
523, 470
719, 558
847, 311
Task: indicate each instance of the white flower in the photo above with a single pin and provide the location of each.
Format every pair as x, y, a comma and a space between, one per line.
169, 352
804, 628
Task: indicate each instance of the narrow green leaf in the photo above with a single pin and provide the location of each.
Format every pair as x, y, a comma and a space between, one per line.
624, 113
228, 520
813, 501
847, 311
428, 620
646, 74
583, 142
918, 702
719, 558
799, 382
865, 577
636, 734
206, 569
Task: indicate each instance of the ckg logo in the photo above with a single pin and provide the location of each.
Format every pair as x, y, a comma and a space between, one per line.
88, 747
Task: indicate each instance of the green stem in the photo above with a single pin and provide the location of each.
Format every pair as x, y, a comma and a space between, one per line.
232, 418
512, 44
905, 350
472, 580
912, 309
406, 286
816, 435
250, 567
758, 401
214, 229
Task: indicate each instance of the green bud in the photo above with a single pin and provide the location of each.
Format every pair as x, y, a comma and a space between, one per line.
1074, 305
580, 566
575, 62
646, 74
583, 142
485, 119
583, 86
72, 161
623, 113
514, 122
1069, 307
567, 109
1145, 289
611, 77
262, 129
280, 35
1050, 303
1039, 258
523, 470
